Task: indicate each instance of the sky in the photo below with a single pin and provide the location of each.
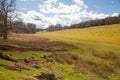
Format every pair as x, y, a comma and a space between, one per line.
65, 12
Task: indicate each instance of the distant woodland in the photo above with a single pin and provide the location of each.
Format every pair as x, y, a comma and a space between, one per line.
97, 22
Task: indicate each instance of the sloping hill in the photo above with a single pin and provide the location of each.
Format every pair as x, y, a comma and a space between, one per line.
41, 58
105, 34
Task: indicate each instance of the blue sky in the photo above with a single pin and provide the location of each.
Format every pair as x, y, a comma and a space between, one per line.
65, 12
103, 6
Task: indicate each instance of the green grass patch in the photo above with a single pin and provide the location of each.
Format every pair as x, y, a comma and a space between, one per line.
27, 54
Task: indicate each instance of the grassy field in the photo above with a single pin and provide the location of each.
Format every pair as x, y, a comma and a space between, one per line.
100, 37
105, 34
76, 54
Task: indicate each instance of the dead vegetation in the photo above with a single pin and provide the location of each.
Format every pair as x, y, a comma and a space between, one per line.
115, 58
61, 58
46, 46
27, 78
106, 55
46, 76
7, 57
20, 64
27, 37
15, 67
101, 69
41, 76
38, 46
24, 64
32, 62
35, 43
6, 47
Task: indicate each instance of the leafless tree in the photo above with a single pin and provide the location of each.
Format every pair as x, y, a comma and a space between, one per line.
7, 8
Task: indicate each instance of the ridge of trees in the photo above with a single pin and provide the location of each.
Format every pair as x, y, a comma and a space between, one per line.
97, 22
21, 27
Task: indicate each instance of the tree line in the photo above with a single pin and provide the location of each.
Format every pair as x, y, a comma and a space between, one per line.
97, 22
56, 27
8, 22
21, 27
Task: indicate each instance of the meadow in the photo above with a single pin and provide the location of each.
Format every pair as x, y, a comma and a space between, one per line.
105, 34
105, 37
74, 54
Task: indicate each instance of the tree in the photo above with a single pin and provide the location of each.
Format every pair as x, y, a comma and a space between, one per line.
1, 25
7, 7
21, 27
50, 28
58, 27
31, 28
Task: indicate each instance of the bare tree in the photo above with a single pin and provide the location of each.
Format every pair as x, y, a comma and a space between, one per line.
1, 25
7, 7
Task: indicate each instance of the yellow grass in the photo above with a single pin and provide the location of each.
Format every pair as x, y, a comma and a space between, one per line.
105, 34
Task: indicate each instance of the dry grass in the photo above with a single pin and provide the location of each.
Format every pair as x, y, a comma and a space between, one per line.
62, 58
100, 69
46, 76
35, 43
106, 55
26, 37
27, 78
32, 62
16, 67
106, 34
7, 57
24, 64
115, 58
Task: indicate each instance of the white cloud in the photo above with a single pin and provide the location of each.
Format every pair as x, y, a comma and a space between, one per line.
97, 16
115, 14
49, 6
80, 3
68, 9
51, 1
26, 0
33, 17
63, 14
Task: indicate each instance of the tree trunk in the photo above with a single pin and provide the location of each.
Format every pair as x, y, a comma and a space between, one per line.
1, 30
5, 30
5, 34
1, 33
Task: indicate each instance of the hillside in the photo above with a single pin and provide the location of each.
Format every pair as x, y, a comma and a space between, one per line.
75, 54
105, 34
59, 40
